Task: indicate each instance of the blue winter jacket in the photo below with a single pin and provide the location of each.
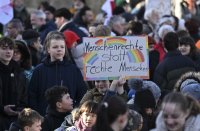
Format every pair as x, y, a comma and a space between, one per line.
49, 74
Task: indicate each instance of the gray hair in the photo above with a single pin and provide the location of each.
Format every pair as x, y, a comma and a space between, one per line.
39, 14
115, 19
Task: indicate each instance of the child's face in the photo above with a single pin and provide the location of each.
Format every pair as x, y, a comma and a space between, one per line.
102, 85
35, 127
89, 119
66, 103
56, 50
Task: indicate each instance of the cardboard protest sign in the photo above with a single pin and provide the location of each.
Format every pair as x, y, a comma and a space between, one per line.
108, 58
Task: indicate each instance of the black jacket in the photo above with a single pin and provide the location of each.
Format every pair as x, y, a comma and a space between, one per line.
72, 27
48, 74
15, 127
171, 68
53, 119
13, 90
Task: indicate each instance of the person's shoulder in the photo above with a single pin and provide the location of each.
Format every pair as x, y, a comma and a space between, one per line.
72, 128
39, 66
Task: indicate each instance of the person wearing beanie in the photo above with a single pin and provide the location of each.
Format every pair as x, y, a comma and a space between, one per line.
145, 104
71, 40
135, 121
173, 65
139, 84
33, 42
189, 84
161, 32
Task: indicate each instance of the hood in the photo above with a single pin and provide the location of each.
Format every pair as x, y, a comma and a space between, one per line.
55, 113
47, 61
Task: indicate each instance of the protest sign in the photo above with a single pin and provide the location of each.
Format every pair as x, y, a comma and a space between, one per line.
109, 58
6, 11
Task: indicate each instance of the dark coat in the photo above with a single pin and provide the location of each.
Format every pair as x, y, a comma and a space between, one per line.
15, 127
13, 90
96, 96
72, 27
171, 68
45, 29
53, 120
48, 74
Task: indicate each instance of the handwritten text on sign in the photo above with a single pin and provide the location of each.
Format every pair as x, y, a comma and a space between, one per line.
111, 57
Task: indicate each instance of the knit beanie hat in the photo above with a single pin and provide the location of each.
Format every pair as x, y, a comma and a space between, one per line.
139, 84
70, 38
153, 87
135, 121
192, 88
29, 35
164, 29
144, 99
135, 83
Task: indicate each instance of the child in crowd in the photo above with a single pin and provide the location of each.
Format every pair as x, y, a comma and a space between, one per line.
112, 115
60, 105
179, 113
84, 118
56, 69
87, 117
28, 120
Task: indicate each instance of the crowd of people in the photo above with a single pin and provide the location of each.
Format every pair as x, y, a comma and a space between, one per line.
41, 69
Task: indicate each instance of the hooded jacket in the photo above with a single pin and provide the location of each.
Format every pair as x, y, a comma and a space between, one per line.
171, 68
192, 123
53, 119
48, 74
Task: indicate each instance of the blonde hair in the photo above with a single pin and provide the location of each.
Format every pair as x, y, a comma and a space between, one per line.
28, 117
54, 35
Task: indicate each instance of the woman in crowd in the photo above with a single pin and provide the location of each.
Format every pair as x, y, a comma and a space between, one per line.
23, 57
187, 47
112, 115
179, 113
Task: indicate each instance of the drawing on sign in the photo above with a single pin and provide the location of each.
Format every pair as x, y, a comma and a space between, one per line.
111, 57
